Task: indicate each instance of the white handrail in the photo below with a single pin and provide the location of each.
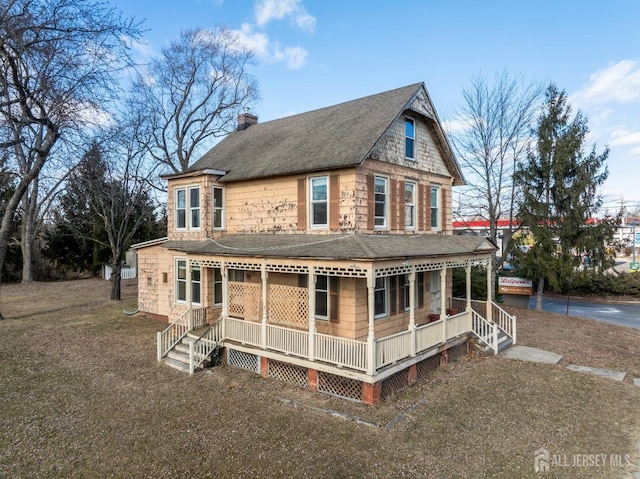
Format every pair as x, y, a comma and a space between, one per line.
506, 322
485, 331
201, 348
173, 334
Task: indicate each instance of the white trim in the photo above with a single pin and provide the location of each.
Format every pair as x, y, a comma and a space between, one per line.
214, 208
176, 192
411, 227
311, 202
176, 279
190, 209
438, 190
384, 226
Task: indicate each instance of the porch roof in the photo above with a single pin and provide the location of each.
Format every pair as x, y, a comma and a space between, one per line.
339, 247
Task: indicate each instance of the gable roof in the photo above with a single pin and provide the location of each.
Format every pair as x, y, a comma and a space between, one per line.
347, 247
334, 137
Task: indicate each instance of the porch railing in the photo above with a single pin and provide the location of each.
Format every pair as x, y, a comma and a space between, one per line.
506, 322
393, 348
173, 334
486, 332
289, 341
341, 351
191, 318
201, 348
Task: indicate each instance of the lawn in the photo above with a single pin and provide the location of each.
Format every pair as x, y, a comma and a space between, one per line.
82, 396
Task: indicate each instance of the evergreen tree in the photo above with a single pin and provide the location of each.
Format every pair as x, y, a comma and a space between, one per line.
559, 185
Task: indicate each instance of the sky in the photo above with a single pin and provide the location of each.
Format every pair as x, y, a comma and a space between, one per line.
316, 53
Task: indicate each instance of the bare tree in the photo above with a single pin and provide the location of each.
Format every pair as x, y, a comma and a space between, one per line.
191, 94
59, 59
496, 130
117, 192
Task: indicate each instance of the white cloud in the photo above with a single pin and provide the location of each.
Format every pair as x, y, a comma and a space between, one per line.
254, 41
617, 83
635, 151
456, 126
293, 57
268, 10
625, 138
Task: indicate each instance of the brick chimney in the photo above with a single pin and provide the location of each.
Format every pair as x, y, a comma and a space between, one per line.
246, 119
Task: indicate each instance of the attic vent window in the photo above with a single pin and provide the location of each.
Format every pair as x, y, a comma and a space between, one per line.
410, 137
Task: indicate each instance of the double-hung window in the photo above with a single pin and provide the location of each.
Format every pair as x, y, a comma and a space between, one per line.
435, 207
181, 208
218, 208
327, 297
319, 202
217, 287
181, 280
409, 205
187, 208
195, 285
380, 206
194, 207
409, 139
380, 298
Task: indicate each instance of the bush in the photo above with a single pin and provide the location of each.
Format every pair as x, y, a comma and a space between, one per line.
478, 283
608, 284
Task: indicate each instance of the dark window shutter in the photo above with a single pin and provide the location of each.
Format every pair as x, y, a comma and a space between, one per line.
334, 202
370, 202
302, 204
334, 299
420, 208
400, 205
393, 295
393, 204
427, 208
443, 215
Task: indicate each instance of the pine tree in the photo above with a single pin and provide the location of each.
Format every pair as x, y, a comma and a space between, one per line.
560, 184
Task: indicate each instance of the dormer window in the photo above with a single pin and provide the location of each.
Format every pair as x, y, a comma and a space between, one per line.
409, 138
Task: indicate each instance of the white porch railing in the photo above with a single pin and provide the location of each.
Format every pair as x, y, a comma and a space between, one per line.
201, 348
393, 348
486, 332
457, 324
341, 351
288, 341
173, 334
191, 318
245, 332
429, 335
506, 322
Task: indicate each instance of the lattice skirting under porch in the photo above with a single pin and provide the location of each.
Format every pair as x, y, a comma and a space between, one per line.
342, 387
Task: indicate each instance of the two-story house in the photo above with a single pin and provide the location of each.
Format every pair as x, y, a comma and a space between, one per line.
317, 249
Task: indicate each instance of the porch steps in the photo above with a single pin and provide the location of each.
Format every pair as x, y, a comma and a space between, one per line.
178, 357
504, 343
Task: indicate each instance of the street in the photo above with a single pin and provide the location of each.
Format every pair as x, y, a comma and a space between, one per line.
623, 314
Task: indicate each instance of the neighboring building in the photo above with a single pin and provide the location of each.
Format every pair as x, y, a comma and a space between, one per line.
319, 248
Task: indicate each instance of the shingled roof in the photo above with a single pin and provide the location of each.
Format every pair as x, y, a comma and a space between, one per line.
346, 247
329, 138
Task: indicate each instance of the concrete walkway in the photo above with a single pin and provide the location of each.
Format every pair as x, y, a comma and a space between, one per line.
526, 353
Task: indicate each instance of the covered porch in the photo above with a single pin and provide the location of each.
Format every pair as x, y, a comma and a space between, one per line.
376, 317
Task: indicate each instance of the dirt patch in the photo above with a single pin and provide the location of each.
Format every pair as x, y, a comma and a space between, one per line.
82, 396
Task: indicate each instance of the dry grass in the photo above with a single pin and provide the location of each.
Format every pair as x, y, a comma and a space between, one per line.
81, 396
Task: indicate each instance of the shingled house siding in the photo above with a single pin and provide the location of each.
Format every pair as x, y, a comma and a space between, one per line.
267, 205
334, 202
302, 204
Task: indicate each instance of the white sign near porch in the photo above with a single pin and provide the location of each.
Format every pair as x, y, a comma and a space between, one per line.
509, 285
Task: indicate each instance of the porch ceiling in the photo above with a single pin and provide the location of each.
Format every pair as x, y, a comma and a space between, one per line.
338, 247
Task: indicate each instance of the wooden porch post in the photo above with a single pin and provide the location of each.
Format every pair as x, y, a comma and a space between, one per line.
312, 313
489, 292
188, 294
264, 275
443, 302
412, 309
371, 336
224, 272
468, 286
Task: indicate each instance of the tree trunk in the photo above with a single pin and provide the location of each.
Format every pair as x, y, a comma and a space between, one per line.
116, 281
28, 230
539, 294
